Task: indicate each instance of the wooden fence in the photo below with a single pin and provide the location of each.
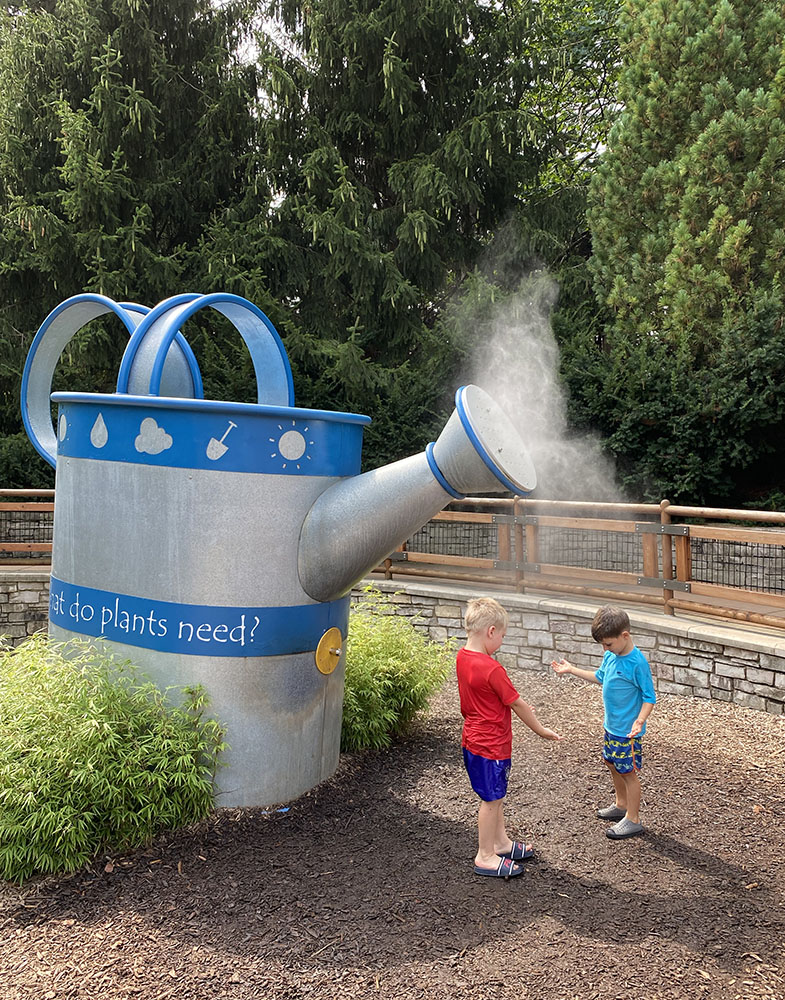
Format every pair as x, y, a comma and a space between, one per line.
673, 557
26, 527
724, 563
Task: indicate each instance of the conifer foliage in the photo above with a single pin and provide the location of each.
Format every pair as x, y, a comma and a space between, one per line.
345, 172
688, 225
394, 142
124, 127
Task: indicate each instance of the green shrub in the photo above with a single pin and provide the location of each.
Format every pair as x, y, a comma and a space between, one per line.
93, 758
392, 670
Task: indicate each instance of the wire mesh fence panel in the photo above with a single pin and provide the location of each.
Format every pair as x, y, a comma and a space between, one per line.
615, 551
746, 565
24, 527
453, 538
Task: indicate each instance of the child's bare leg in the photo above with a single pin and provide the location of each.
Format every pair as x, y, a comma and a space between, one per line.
503, 842
619, 786
492, 833
632, 785
490, 819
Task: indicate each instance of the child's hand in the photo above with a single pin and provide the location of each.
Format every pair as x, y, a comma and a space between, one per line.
561, 666
549, 734
636, 728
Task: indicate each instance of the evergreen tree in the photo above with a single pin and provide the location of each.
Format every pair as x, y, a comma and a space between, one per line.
395, 141
348, 182
689, 250
124, 125
576, 95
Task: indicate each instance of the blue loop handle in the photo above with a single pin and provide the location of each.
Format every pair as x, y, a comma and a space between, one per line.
137, 361
62, 323
142, 371
150, 364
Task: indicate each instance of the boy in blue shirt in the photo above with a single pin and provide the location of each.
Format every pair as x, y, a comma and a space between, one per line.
628, 696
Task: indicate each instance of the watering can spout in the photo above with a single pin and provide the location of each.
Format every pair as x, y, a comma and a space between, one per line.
358, 521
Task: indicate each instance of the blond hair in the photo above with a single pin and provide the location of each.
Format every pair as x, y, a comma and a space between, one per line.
609, 622
482, 612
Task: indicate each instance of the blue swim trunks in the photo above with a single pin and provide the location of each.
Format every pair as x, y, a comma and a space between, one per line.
488, 777
624, 752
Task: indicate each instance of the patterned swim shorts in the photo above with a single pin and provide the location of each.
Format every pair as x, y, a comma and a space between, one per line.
624, 752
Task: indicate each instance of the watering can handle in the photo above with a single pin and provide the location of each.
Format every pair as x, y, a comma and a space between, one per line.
142, 367
62, 323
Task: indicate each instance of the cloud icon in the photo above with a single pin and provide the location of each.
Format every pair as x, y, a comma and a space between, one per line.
152, 439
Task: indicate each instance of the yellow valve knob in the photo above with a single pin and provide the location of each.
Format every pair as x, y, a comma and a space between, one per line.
329, 650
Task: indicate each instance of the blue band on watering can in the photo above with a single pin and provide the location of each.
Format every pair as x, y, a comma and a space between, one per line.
142, 368
193, 629
53, 335
437, 474
209, 434
478, 446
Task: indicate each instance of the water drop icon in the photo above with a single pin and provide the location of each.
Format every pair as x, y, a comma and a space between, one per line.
99, 434
62, 427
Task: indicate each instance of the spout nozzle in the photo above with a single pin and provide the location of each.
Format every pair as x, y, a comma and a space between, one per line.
479, 450
357, 522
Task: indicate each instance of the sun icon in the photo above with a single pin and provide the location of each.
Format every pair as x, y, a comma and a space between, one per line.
292, 445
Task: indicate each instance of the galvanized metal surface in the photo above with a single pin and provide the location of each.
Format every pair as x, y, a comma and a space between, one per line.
198, 537
496, 458
226, 561
356, 522
282, 716
188, 536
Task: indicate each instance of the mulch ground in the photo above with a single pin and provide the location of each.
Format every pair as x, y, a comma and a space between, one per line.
364, 887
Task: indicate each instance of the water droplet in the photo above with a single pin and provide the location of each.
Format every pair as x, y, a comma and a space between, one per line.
99, 434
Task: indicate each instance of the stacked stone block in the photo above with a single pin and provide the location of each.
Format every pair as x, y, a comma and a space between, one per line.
687, 658
24, 603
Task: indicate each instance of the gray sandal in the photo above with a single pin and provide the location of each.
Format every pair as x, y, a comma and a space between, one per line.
624, 828
611, 812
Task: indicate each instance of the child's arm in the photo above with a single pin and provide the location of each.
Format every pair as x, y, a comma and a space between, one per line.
643, 715
565, 667
527, 716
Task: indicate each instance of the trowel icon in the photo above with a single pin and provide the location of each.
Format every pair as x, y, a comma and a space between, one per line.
216, 448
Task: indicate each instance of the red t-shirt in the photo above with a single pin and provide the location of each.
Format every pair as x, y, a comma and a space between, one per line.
486, 695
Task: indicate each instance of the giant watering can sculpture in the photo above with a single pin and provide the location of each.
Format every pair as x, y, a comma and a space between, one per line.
216, 542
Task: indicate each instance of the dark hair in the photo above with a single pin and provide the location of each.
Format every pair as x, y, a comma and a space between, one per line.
609, 622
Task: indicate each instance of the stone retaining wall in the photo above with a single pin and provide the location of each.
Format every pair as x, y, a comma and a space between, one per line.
24, 602
688, 657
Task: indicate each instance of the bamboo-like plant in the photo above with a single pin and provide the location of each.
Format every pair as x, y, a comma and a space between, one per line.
94, 758
392, 670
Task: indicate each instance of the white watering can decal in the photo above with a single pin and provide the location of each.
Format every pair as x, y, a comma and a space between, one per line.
229, 561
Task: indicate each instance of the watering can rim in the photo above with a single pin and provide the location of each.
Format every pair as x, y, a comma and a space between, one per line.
207, 406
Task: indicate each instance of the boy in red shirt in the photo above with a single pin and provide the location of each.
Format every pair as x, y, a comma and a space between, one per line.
487, 700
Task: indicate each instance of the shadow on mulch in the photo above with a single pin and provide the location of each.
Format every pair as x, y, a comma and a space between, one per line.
365, 885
